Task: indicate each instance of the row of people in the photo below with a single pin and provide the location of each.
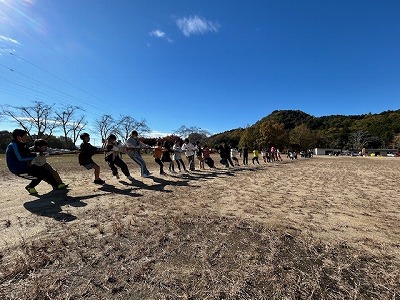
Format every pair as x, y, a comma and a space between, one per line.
21, 160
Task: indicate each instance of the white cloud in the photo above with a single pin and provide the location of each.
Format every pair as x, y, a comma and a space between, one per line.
160, 34
157, 33
157, 134
196, 25
9, 40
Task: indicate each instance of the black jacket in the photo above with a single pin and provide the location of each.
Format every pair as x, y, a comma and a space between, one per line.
86, 152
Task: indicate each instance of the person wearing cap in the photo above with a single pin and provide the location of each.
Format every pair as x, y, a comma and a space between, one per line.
86, 151
19, 162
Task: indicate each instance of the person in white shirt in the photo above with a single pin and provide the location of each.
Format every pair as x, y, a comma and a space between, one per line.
190, 150
177, 156
133, 147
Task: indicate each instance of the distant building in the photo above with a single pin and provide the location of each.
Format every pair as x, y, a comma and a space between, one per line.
326, 151
368, 152
381, 152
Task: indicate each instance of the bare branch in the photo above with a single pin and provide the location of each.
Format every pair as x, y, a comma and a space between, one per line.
106, 125
127, 124
66, 122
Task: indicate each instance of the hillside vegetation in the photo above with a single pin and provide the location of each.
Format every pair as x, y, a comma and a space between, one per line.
297, 129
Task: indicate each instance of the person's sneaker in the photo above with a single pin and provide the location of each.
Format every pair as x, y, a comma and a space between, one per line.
173, 172
31, 190
116, 176
61, 186
130, 178
145, 175
99, 181
163, 173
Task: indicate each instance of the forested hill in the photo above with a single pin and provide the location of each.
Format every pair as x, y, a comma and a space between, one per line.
286, 128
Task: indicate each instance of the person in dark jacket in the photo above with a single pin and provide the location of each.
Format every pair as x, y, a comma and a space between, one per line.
19, 159
86, 152
245, 153
225, 154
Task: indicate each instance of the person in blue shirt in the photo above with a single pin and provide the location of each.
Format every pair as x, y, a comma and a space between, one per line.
19, 158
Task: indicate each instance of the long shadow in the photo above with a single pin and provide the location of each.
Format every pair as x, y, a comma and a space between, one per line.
141, 185
159, 186
162, 183
112, 189
211, 174
49, 205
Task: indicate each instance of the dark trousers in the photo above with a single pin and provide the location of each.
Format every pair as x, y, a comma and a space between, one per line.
256, 159
191, 162
245, 159
41, 174
179, 162
119, 163
159, 162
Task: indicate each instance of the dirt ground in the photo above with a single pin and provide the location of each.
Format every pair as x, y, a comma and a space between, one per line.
330, 227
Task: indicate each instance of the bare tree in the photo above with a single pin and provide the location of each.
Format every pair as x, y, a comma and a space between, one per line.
66, 121
127, 124
77, 127
106, 125
359, 139
39, 117
10, 112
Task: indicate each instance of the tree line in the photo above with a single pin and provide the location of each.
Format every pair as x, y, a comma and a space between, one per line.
294, 129
41, 120
285, 129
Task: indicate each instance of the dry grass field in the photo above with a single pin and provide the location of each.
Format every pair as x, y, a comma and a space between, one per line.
319, 228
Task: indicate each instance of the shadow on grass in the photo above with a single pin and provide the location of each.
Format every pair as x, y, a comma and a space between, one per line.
160, 185
114, 190
49, 205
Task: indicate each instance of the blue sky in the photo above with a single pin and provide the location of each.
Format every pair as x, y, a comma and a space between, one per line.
217, 65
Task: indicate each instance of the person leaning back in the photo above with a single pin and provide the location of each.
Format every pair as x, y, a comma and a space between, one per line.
19, 159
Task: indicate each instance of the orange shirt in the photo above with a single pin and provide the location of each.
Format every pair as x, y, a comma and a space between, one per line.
158, 151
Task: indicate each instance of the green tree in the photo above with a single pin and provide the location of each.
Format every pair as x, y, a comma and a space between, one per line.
5, 139
250, 136
272, 133
303, 136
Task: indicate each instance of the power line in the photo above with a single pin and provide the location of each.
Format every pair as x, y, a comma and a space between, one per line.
30, 78
38, 91
59, 78
30, 34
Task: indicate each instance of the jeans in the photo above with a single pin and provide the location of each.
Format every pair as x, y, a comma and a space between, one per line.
137, 158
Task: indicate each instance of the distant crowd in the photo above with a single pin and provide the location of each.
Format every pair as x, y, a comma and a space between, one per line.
31, 163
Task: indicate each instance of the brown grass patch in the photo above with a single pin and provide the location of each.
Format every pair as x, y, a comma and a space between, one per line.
324, 228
